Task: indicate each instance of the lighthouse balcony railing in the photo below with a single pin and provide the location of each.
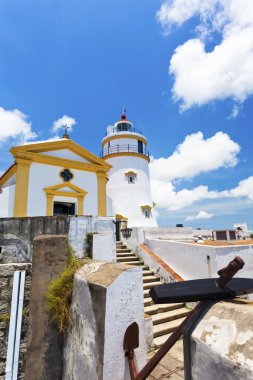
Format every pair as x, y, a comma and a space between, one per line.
122, 128
124, 148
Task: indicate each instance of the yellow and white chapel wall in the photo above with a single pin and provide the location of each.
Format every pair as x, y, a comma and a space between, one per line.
43, 176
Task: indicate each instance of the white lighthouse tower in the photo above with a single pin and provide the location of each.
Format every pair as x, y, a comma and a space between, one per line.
125, 148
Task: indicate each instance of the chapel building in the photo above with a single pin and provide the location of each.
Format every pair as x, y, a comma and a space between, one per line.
54, 177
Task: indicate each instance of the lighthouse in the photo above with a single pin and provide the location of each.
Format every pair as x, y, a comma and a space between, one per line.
125, 148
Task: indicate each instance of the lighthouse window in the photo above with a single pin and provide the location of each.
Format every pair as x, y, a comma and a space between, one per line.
146, 211
131, 177
123, 127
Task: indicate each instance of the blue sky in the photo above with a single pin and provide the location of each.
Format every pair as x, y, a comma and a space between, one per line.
176, 66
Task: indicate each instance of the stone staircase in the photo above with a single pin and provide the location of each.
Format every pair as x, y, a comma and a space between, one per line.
165, 317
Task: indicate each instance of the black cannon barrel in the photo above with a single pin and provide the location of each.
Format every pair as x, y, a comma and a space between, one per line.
200, 290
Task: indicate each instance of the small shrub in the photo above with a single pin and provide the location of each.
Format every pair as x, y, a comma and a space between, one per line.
89, 241
251, 236
59, 294
5, 317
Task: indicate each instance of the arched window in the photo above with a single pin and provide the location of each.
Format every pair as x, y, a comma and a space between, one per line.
131, 176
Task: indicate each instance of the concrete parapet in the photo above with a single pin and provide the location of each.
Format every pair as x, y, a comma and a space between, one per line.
104, 247
45, 343
221, 346
107, 298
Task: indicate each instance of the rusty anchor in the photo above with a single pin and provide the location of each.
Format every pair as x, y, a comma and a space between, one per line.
202, 290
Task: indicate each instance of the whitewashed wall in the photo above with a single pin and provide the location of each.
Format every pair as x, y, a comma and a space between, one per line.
65, 153
42, 176
127, 197
7, 201
191, 261
107, 298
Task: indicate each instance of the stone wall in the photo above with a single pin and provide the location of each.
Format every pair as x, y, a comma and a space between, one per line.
16, 235
6, 281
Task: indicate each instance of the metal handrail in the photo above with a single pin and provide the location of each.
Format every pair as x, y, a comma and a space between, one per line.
123, 148
117, 130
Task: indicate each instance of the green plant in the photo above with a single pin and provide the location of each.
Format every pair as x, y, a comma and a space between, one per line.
59, 294
89, 241
251, 236
5, 317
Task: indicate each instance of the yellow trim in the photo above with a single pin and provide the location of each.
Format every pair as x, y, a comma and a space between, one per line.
140, 155
131, 172
8, 174
147, 207
54, 191
56, 161
41, 147
121, 217
21, 190
80, 205
50, 202
102, 180
126, 136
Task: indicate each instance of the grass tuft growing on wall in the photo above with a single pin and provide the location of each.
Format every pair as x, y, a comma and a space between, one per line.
59, 294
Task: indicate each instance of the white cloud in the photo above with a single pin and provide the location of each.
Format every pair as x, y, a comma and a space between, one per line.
244, 189
14, 124
234, 112
166, 197
62, 121
200, 215
201, 76
196, 155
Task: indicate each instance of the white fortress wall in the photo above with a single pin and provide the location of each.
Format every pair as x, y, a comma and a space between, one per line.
192, 261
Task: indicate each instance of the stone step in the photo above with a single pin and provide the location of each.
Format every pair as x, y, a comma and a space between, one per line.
125, 254
149, 285
123, 250
161, 308
169, 315
146, 293
119, 242
159, 340
134, 263
126, 259
150, 279
166, 328
148, 273
144, 267
147, 302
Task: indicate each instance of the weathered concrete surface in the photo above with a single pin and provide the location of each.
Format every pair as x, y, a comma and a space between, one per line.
45, 344
107, 298
6, 282
79, 227
17, 234
222, 343
104, 247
